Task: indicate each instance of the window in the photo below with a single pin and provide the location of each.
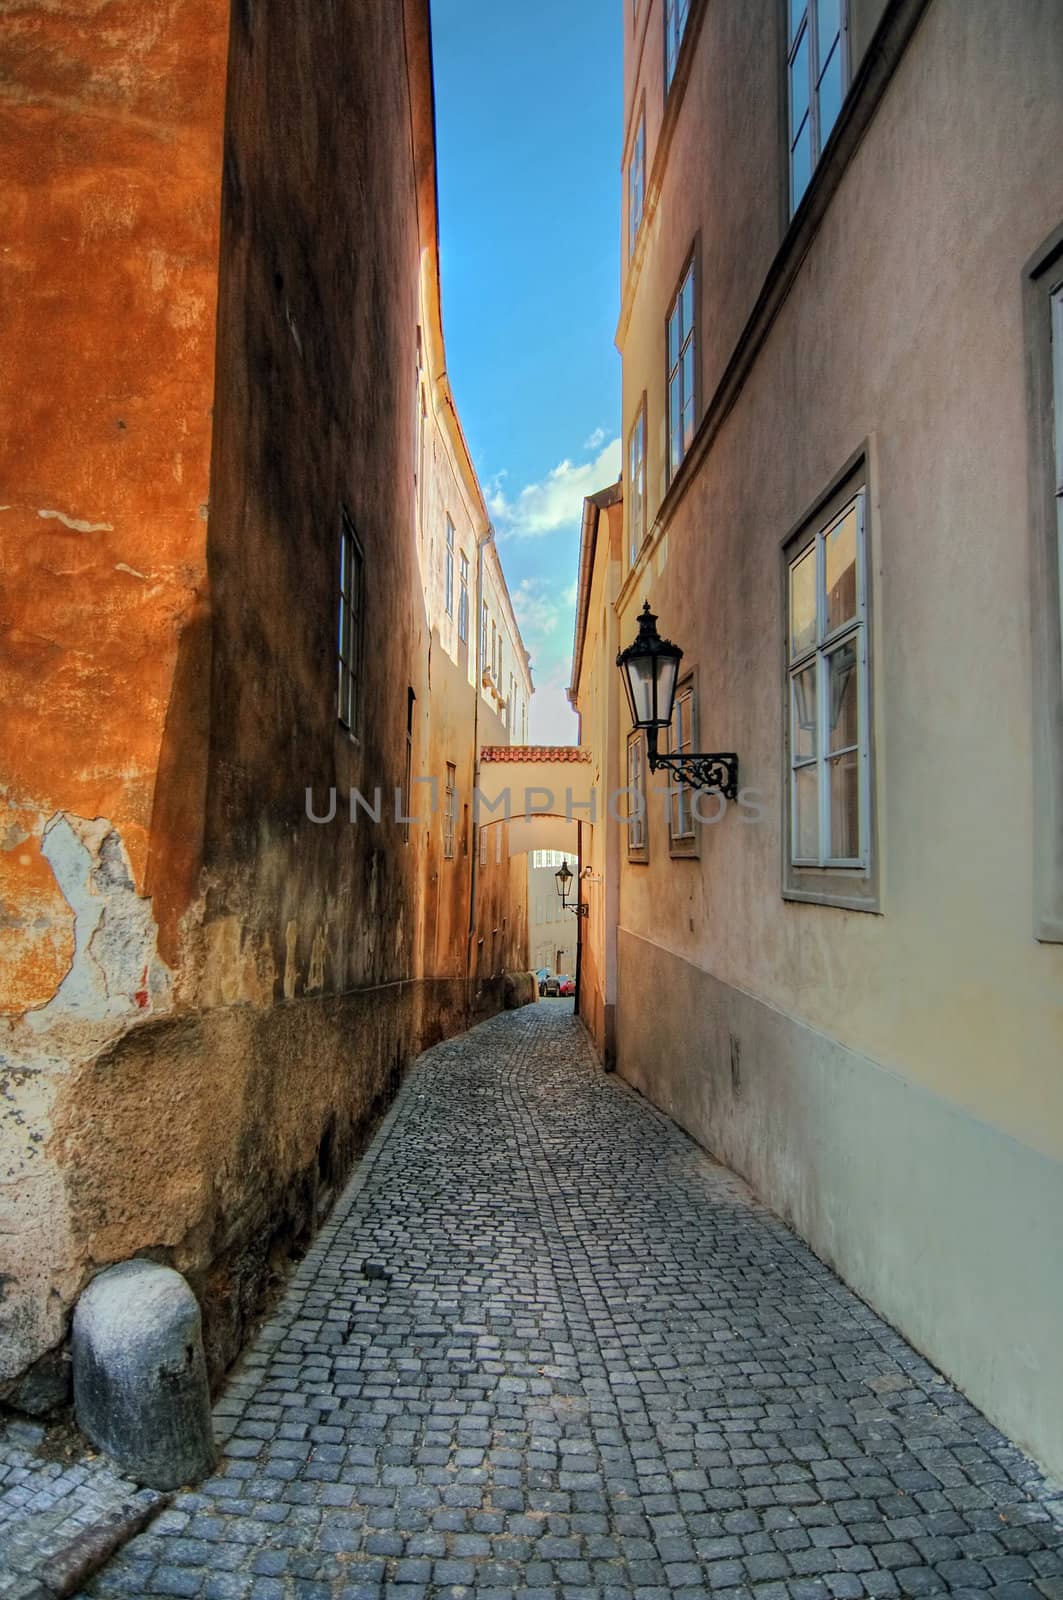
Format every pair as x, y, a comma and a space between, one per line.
450, 811
483, 846
636, 473
829, 831
463, 596
350, 626
817, 71
483, 637
637, 832
681, 829
449, 591
675, 21
498, 845
636, 185
1043, 296
681, 381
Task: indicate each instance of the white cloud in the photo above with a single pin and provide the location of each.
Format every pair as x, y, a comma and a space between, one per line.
596, 440
541, 609
557, 501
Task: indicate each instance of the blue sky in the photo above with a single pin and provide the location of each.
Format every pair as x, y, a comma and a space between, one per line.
528, 114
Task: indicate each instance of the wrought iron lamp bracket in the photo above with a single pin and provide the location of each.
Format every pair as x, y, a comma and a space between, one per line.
702, 771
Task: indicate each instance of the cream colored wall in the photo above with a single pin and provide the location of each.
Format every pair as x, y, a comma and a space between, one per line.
457, 720
904, 327
934, 1030
597, 696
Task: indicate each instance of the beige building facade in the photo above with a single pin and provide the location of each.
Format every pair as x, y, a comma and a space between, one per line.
842, 402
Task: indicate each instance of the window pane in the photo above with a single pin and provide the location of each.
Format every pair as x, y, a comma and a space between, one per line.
845, 806
828, 27
806, 814
673, 340
841, 571
673, 424
831, 94
844, 700
688, 375
797, 15
804, 738
687, 303
799, 87
801, 163
803, 603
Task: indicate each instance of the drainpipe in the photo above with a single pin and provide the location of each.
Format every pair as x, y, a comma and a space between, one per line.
474, 842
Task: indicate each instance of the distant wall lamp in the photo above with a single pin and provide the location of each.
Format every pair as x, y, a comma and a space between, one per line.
563, 878
650, 670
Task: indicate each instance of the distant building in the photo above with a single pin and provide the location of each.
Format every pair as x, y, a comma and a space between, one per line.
552, 929
246, 559
841, 323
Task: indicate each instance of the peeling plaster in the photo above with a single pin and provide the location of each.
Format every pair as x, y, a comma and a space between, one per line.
115, 978
115, 971
76, 524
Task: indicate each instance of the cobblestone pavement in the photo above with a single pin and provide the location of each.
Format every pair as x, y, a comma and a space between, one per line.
48, 1505
546, 1347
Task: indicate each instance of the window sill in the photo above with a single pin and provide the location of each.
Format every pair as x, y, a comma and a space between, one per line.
845, 891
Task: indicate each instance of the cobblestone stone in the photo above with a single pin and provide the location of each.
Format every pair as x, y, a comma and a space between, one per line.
587, 1364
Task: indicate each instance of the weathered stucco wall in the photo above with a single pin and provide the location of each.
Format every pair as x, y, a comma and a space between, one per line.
225, 991
111, 125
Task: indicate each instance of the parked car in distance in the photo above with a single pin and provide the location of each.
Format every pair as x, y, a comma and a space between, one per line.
552, 988
541, 977
566, 985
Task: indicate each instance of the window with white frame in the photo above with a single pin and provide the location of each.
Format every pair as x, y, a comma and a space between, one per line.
817, 77
637, 831
450, 811
827, 685
636, 184
483, 846
350, 626
463, 596
449, 579
682, 832
636, 472
498, 844
682, 347
676, 13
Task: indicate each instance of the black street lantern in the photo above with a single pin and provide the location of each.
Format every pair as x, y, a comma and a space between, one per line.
650, 670
563, 878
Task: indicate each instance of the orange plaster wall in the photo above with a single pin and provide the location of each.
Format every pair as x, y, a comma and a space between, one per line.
111, 123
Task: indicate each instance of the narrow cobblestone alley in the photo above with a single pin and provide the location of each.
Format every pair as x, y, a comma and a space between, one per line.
545, 1346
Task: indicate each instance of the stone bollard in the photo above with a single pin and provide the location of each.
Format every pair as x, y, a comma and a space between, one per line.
140, 1377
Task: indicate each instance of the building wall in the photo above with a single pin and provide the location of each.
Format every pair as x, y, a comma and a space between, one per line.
247, 984
110, 189
596, 692
552, 930
888, 1081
